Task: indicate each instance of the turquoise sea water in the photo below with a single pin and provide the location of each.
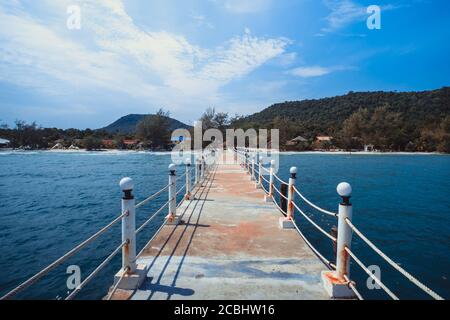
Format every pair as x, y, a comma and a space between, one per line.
50, 202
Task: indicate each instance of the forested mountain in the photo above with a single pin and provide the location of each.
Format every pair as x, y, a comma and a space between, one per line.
415, 116
127, 124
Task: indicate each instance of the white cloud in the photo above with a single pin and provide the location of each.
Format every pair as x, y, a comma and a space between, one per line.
343, 13
246, 6
111, 52
310, 72
202, 21
346, 12
317, 71
287, 59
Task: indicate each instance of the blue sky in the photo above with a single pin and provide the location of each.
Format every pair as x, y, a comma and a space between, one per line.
240, 56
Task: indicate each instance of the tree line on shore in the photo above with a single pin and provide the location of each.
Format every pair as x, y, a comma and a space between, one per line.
151, 133
384, 121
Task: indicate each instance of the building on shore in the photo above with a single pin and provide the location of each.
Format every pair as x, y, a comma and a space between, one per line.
4, 143
296, 141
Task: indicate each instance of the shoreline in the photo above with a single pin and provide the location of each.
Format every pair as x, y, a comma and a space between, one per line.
116, 151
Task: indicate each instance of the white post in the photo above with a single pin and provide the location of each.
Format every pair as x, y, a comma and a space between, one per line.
196, 171
188, 179
131, 275
202, 168
245, 160
344, 237
172, 216
269, 197
260, 166
128, 226
287, 222
252, 177
335, 282
248, 166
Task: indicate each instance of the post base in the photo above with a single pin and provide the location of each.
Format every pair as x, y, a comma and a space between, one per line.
286, 223
336, 288
173, 221
268, 199
133, 280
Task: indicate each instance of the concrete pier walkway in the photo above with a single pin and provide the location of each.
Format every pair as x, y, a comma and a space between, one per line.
228, 246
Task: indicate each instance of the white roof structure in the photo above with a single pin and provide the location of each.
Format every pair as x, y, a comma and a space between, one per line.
4, 141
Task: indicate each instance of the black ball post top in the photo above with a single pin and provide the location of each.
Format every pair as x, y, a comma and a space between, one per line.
346, 201
128, 195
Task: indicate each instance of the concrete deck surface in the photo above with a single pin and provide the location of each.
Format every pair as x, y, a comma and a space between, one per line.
229, 247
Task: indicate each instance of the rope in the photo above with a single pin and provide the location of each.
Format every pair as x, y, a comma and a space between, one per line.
127, 269
97, 270
264, 169
181, 189
284, 182
265, 179
282, 195
352, 286
152, 196
151, 218
313, 205
264, 188
165, 222
279, 208
393, 264
314, 224
318, 254
378, 281
180, 177
57, 262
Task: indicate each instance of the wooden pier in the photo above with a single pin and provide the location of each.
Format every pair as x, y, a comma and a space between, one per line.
228, 246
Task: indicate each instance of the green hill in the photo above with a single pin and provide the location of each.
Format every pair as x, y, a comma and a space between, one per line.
127, 124
417, 114
326, 116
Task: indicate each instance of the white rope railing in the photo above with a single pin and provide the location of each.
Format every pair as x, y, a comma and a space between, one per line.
152, 217
266, 170
278, 191
313, 205
96, 271
57, 262
344, 190
181, 176
279, 179
313, 223
116, 286
181, 189
264, 188
393, 264
378, 281
352, 286
321, 257
153, 196
129, 213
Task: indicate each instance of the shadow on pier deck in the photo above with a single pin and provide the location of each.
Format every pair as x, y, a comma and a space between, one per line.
229, 246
